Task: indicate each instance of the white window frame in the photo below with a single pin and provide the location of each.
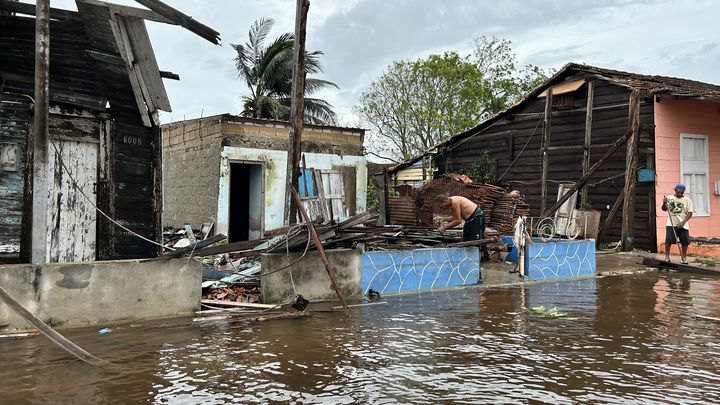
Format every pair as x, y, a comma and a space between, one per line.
707, 171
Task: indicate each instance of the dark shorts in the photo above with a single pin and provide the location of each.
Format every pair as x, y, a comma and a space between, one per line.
682, 234
474, 228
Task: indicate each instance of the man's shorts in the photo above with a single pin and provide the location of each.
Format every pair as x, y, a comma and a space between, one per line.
682, 234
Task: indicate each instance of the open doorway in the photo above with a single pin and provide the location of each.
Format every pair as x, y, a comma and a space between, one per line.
246, 201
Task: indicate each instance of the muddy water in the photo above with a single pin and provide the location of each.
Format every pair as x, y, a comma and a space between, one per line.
627, 339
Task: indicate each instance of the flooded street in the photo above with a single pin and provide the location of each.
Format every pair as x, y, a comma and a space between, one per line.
632, 338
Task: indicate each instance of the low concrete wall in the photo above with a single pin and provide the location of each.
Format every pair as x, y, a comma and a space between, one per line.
309, 275
560, 259
81, 294
398, 271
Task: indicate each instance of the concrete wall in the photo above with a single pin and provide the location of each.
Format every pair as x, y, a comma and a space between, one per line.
560, 259
673, 118
275, 167
95, 293
309, 276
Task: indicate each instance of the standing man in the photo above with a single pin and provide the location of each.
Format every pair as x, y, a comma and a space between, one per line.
680, 210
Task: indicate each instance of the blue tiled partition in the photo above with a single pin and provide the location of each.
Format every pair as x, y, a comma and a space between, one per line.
560, 259
422, 269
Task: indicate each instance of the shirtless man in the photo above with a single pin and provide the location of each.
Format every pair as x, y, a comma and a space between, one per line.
462, 209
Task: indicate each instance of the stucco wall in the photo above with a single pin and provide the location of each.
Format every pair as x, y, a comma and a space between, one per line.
275, 175
672, 118
92, 293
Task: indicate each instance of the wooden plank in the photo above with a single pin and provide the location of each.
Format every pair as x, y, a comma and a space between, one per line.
588, 140
183, 20
544, 150
631, 160
234, 304
146, 63
122, 42
683, 268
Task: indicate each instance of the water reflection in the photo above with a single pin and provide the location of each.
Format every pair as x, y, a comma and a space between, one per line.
629, 339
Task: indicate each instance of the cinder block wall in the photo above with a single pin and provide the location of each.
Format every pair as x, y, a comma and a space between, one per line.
191, 169
98, 293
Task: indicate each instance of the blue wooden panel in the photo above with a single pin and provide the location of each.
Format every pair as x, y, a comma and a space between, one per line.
307, 188
646, 175
421, 269
560, 259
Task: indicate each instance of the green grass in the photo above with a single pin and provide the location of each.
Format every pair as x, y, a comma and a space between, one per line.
708, 261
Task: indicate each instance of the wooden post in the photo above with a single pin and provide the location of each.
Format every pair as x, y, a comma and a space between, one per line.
586, 145
545, 144
386, 196
631, 160
40, 136
297, 108
321, 250
611, 216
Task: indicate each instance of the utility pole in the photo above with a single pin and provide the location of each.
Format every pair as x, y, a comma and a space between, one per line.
40, 136
297, 108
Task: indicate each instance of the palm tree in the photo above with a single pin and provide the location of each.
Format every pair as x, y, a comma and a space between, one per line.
267, 70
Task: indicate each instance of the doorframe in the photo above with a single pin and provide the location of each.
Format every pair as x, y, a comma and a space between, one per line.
223, 212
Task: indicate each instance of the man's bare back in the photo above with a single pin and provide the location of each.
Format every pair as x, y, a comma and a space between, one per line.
460, 207
467, 207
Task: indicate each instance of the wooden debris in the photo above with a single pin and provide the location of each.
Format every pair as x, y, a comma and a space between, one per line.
221, 303
286, 315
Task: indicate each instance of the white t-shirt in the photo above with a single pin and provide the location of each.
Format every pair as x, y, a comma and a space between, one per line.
678, 209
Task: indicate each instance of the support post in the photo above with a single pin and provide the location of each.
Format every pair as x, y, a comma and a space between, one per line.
545, 145
611, 216
631, 160
40, 136
297, 107
321, 250
386, 196
588, 142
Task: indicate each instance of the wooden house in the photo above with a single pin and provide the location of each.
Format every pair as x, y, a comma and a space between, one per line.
620, 140
105, 90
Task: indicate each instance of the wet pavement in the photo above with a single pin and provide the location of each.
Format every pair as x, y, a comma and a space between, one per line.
631, 338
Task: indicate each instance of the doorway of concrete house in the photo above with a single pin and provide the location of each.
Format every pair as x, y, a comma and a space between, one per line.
246, 201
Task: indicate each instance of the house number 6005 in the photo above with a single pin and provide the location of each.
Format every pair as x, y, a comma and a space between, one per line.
132, 140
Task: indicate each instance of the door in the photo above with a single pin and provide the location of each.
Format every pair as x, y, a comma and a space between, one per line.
72, 216
246, 202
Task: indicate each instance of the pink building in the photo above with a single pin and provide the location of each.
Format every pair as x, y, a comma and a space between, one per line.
687, 150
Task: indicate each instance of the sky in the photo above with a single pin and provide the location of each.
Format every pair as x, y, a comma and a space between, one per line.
360, 38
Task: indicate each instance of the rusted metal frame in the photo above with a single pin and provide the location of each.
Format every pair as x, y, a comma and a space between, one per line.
321, 250
589, 174
631, 161
40, 133
297, 106
588, 140
545, 150
183, 20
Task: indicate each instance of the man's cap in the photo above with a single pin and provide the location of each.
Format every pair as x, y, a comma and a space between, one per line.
679, 186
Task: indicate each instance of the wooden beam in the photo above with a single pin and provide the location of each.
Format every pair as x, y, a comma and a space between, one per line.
587, 143
545, 145
126, 11
40, 135
610, 217
297, 106
319, 246
589, 174
183, 20
169, 75
631, 161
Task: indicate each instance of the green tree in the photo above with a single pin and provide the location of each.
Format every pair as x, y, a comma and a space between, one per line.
267, 71
415, 105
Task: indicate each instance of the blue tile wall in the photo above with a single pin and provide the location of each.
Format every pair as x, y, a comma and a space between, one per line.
560, 259
422, 269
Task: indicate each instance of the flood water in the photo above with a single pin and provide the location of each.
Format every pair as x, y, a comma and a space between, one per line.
625, 339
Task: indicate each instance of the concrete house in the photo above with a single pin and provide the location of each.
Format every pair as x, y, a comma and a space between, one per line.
643, 134
231, 171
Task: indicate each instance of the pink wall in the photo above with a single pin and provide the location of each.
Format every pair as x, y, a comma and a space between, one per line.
673, 117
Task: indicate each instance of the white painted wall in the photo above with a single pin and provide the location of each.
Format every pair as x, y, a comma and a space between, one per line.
275, 167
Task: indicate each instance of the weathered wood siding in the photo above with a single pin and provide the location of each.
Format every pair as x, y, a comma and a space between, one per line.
517, 137
15, 115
